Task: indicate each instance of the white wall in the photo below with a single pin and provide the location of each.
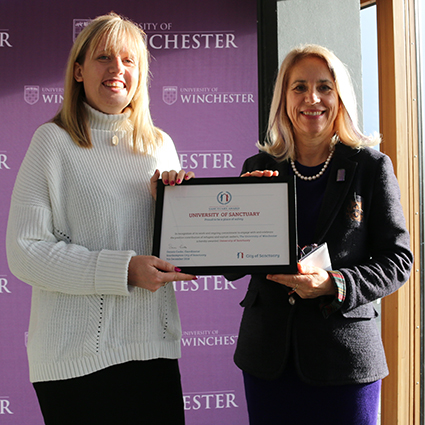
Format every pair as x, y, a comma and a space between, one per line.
334, 24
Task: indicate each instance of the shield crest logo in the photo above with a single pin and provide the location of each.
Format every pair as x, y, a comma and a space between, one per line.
31, 94
169, 94
79, 25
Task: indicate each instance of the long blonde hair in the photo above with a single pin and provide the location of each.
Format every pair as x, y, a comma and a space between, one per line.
72, 117
280, 137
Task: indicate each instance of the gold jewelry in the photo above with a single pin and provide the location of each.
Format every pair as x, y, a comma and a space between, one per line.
115, 139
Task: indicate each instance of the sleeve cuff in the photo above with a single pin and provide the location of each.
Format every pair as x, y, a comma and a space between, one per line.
112, 272
339, 282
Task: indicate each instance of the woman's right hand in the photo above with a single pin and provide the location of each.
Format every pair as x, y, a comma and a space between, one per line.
169, 178
261, 173
151, 273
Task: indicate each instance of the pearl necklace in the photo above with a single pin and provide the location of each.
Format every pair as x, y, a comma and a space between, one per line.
320, 173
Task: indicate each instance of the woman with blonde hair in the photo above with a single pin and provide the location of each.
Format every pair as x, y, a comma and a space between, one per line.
104, 335
280, 142
308, 344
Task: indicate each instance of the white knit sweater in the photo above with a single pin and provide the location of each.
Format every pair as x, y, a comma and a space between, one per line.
77, 217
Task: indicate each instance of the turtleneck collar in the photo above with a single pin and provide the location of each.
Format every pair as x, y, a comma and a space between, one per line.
99, 121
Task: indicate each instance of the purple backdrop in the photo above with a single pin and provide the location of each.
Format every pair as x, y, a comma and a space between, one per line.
204, 94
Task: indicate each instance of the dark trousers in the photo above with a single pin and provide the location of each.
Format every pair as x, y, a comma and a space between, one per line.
137, 392
290, 401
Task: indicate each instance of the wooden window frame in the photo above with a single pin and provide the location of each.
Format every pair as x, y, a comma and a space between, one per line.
401, 311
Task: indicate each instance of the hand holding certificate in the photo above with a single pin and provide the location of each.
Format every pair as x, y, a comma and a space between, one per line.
224, 225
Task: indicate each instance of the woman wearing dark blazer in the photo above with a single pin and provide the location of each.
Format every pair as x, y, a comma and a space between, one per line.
308, 345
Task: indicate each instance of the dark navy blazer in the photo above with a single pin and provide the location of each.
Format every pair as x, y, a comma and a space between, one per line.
362, 221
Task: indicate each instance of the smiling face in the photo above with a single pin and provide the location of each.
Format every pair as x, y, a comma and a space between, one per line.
110, 78
312, 101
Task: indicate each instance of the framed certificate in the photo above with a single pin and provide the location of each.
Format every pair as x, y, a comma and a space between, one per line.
212, 226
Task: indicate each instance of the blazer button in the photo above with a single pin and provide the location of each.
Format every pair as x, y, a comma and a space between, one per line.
291, 300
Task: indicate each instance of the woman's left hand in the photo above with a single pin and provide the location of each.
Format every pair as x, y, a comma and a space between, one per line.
169, 178
310, 282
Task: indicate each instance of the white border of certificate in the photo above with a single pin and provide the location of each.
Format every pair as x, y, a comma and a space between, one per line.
227, 225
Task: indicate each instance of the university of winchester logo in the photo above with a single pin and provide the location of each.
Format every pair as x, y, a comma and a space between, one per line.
4, 38
31, 94
169, 94
78, 26
5, 408
48, 95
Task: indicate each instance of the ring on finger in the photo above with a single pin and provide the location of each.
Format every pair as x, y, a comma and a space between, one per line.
296, 287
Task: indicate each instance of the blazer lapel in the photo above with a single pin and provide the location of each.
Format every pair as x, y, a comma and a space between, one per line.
341, 176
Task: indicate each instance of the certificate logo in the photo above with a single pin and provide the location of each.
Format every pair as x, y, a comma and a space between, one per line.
169, 94
224, 198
